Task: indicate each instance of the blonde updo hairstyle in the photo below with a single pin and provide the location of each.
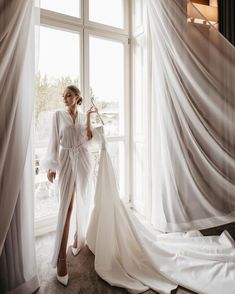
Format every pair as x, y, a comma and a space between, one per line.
77, 92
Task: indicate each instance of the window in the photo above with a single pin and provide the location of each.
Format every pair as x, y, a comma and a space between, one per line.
59, 64
79, 46
141, 180
107, 86
69, 7
107, 80
107, 12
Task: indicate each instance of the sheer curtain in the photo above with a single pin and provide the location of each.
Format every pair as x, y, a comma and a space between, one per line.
192, 120
17, 72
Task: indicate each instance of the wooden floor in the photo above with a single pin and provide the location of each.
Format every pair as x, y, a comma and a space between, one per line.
83, 278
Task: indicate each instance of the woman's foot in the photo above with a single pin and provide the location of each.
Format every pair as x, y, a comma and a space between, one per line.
74, 248
63, 280
75, 251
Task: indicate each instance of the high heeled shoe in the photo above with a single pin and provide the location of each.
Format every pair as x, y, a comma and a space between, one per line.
75, 250
63, 279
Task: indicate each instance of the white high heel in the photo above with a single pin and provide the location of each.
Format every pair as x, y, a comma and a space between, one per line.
63, 279
75, 251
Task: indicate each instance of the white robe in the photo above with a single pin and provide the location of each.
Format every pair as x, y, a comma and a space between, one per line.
68, 155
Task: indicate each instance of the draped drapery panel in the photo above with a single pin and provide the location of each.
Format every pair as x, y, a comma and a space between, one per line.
15, 24
192, 120
17, 77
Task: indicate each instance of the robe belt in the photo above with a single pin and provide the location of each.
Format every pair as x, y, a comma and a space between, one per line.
73, 154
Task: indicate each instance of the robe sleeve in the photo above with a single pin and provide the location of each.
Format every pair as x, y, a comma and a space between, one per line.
97, 132
51, 159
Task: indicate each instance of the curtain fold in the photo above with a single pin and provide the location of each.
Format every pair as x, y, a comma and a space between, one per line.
193, 118
226, 9
13, 129
17, 74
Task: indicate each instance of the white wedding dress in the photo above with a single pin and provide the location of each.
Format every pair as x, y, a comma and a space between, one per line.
131, 255
128, 253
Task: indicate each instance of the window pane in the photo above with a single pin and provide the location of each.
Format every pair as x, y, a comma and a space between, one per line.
46, 194
107, 82
69, 7
59, 65
107, 12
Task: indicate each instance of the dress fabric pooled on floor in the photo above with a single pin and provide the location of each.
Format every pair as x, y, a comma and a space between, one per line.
131, 255
128, 253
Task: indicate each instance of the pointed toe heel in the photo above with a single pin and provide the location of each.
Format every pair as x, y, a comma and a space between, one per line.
63, 279
75, 251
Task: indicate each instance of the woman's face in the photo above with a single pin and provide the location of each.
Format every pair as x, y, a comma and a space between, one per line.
70, 98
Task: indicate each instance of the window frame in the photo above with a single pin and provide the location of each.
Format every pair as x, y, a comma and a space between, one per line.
126, 105
139, 40
84, 27
99, 26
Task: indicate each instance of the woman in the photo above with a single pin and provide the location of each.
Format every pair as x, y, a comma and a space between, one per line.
67, 154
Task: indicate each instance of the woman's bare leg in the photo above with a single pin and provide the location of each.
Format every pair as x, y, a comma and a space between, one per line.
62, 264
75, 240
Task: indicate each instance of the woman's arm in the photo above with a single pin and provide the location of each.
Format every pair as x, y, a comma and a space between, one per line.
89, 128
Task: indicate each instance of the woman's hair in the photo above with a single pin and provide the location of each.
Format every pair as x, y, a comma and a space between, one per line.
76, 91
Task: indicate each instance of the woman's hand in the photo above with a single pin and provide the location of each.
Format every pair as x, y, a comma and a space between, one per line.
92, 110
89, 134
51, 175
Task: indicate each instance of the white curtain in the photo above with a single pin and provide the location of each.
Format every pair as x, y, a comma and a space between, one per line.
192, 120
17, 72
